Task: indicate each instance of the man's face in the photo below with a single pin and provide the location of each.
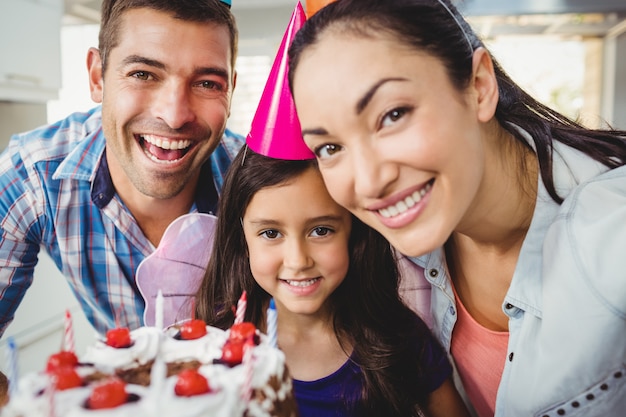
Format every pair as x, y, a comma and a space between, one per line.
165, 100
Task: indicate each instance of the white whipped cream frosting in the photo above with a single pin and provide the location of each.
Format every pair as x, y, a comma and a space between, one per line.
149, 343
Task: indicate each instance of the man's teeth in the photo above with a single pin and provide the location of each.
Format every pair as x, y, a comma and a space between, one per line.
301, 283
165, 143
402, 206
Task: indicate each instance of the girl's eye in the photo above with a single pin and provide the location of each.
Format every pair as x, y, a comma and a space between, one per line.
321, 231
270, 234
326, 150
393, 116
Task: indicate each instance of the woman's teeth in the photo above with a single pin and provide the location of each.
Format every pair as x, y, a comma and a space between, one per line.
403, 205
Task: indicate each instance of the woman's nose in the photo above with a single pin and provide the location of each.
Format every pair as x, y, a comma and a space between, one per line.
372, 172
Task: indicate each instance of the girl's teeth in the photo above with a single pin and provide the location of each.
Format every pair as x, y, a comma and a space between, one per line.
301, 283
402, 206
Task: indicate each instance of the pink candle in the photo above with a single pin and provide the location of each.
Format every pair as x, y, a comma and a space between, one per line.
248, 364
69, 333
50, 392
241, 308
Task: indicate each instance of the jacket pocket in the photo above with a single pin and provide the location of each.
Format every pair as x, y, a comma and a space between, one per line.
607, 398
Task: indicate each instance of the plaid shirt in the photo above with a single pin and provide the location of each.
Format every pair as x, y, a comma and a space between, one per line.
56, 193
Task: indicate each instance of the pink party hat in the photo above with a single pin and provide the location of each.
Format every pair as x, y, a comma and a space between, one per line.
275, 130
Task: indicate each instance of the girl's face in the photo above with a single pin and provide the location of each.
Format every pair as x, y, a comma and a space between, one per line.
397, 145
297, 240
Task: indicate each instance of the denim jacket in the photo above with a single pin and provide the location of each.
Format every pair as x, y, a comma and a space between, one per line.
567, 300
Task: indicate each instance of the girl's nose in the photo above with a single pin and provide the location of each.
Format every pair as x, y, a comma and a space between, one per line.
296, 256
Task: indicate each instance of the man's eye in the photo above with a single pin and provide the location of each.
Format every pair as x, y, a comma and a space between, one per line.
141, 75
212, 85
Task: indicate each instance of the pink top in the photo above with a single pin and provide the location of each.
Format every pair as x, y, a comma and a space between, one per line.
479, 355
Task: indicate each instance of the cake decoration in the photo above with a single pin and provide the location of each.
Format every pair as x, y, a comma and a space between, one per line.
161, 374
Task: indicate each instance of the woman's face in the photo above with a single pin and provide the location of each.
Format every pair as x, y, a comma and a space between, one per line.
397, 144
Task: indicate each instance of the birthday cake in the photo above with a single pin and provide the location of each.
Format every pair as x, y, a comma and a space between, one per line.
186, 370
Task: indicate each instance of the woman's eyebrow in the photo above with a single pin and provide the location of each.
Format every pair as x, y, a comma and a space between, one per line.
369, 94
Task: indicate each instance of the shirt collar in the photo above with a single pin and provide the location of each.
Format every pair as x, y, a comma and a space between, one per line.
88, 162
570, 168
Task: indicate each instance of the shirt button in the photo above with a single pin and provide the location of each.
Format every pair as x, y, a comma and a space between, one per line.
433, 273
452, 312
511, 357
508, 306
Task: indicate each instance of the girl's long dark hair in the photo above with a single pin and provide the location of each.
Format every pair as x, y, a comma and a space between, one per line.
426, 25
368, 312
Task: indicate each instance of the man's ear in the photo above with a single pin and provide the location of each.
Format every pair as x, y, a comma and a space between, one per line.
485, 84
94, 69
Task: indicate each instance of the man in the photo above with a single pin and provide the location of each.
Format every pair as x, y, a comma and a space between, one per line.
98, 189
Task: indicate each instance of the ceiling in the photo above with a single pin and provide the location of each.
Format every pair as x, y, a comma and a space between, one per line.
491, 18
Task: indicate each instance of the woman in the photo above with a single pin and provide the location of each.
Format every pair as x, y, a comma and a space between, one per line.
515, 212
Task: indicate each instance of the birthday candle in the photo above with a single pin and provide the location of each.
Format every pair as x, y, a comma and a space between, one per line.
272, 324
158, 319
248, 363
50, 392
12, 365
241, 308
69, 333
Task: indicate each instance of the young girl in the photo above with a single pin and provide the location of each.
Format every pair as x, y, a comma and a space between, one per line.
515, 213
351, 345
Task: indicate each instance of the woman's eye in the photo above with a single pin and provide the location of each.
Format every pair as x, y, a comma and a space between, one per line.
270, 234
327, 150
393, 116
321, 231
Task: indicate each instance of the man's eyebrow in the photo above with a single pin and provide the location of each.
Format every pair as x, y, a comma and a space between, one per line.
369, 94
220, 72
138, 59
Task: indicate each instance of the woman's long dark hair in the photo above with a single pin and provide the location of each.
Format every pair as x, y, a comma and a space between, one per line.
427, 25
367, 310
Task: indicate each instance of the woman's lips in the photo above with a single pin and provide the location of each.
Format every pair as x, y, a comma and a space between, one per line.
404, 211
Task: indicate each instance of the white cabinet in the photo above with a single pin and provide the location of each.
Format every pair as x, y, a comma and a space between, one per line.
30, 35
